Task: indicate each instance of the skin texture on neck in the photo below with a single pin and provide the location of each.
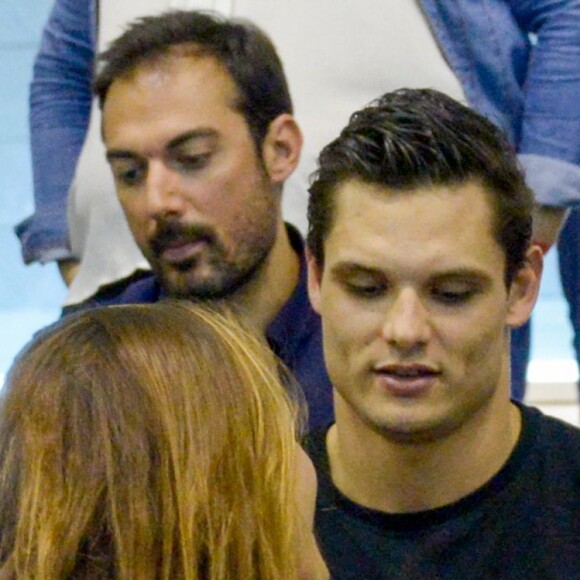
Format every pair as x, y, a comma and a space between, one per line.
260, 300
403, 477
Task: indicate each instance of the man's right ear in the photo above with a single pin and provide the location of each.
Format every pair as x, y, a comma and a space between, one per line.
314, 280
281, 148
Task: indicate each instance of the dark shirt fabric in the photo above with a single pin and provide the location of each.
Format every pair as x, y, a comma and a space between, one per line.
523, 524
295, 335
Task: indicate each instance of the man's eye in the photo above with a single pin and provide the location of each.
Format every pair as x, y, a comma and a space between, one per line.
365, 290
192, 162
453, 297
129, 176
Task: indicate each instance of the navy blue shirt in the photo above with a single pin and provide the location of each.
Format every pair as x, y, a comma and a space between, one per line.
295, 335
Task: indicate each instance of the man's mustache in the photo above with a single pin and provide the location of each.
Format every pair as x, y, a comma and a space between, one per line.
170, 234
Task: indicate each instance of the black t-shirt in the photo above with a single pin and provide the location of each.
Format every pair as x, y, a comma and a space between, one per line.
522, 524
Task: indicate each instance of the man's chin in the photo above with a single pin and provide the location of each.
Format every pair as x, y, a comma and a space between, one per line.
197, 280
187, 285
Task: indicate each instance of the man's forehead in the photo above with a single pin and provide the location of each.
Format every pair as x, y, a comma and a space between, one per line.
176, 60
175, 98
441, 224
355, 199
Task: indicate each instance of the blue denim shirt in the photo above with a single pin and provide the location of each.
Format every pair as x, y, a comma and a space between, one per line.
60, 106
518, 62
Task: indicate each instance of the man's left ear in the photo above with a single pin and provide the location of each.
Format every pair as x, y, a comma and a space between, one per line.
524, 288
281, 148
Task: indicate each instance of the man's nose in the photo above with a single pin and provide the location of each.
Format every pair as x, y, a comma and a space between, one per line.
406, 324
163, 190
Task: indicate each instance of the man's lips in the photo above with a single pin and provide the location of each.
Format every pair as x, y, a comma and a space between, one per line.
178, 251
406, 379
177, 243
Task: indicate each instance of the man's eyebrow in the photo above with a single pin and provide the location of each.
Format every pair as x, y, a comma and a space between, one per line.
462, 274
343, 269
194, 135
347, 269
175, 143
120, 154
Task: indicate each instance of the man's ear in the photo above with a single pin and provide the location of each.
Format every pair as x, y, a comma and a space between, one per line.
281, 148
314, 280
524, 288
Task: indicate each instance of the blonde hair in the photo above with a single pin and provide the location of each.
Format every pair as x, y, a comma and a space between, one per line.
147, 442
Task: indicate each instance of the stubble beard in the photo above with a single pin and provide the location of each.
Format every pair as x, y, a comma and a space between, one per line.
225, 277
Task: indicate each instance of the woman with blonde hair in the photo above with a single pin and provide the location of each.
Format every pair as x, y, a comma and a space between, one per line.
152, 442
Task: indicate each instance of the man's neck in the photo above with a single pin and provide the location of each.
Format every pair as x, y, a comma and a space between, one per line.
379, 473
264, 296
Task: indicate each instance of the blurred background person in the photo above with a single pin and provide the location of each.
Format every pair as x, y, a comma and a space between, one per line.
152, 442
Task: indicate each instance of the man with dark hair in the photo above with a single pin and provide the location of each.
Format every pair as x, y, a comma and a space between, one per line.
199, 133
420, 262
242, 49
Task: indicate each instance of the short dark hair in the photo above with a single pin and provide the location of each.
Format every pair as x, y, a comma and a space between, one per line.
422, 138
243, 49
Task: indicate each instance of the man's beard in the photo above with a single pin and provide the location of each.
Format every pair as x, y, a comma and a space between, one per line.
228, 276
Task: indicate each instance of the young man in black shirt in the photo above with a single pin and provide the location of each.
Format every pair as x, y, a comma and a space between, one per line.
420, 264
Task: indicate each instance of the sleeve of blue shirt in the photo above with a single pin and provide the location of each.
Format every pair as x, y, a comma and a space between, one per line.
549, 146
60, 103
